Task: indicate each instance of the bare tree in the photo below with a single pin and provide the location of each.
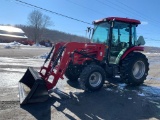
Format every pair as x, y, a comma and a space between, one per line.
39, 22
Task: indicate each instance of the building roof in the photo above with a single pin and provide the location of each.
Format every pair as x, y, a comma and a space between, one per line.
10, 31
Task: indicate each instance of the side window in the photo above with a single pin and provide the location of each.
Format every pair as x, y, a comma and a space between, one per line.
120, 37
101, 32
124, 35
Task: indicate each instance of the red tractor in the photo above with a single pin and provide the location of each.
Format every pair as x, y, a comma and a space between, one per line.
113, 51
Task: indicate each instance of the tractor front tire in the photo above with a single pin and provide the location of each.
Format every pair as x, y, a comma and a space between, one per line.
92, 78
71, 75
134, 68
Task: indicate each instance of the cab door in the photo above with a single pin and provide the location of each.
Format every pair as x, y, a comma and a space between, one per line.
122, 32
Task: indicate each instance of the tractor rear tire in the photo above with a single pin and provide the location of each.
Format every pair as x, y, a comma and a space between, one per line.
92, 78
134, 68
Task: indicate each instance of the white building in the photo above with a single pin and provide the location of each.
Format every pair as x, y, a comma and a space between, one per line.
10, 34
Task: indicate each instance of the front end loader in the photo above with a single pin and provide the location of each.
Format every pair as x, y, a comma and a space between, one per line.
113, 51
34, 86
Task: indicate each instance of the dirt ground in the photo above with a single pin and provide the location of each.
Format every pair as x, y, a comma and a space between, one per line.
115, 101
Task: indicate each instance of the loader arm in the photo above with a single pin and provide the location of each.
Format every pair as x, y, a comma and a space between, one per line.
61, 58
47, 69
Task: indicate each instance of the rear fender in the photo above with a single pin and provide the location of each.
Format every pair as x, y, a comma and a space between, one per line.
136, 48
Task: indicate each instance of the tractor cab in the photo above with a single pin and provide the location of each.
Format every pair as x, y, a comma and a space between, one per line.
118, 34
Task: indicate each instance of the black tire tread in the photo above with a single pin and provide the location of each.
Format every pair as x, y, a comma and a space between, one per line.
71, 77
85, 75
125, 68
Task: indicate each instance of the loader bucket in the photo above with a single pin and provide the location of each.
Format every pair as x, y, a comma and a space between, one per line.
32, 87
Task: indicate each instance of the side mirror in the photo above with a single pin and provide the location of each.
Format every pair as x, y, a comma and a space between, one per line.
89, 30
140, 41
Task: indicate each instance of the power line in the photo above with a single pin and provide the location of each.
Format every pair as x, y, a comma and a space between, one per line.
114, 8
118, 6
53, 12
85, 7
144, 16
133, 11
125, 10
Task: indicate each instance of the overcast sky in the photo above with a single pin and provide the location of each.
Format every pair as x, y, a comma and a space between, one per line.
147, 11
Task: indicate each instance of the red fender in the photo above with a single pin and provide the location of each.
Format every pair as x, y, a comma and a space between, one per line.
136, 48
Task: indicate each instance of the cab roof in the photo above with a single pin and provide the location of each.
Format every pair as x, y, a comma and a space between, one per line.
120, 19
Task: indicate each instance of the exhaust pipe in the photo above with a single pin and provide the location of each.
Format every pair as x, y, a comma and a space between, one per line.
32, 88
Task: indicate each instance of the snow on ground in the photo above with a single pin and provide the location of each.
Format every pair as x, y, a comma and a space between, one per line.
37, 45
10, 77
19, 45
12, 45
43, 56
148, 53
21, 62
16, 45
150, 89
13, 69
151, 54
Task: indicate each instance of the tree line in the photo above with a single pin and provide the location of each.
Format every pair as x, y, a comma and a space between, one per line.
37, 31
51, 35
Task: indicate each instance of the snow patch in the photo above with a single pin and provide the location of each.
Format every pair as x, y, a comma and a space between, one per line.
12, 45
151, 91
38, 45
17, 45
13, 69
10, 79
43, 56
109, 89
141, 94
121, 86
129, 98
148, 53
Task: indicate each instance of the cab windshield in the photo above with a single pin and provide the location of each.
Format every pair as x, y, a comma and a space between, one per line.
101, 33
